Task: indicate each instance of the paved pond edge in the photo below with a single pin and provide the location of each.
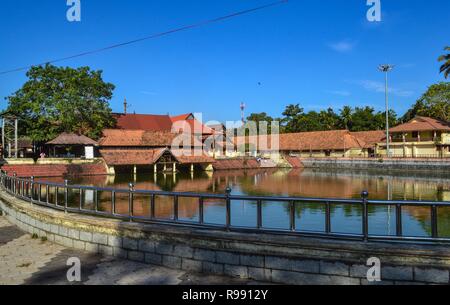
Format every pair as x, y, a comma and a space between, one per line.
262, 257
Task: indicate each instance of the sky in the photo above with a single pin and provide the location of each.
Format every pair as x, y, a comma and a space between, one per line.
316, 53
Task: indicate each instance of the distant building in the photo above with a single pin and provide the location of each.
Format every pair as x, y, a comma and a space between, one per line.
318, 144
70, 145
422, 137
162, 123
123, 149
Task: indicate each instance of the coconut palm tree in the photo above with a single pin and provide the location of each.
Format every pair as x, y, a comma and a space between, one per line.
346, 117
446, 66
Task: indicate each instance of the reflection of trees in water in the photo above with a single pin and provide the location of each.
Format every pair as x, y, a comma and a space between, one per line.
269, 182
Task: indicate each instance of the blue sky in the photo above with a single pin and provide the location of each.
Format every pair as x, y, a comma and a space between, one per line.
318, 53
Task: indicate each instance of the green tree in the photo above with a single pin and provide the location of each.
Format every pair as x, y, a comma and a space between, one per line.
291, 118
434, 103
329, 119
445, 68
261, 117
346, 119
58, 99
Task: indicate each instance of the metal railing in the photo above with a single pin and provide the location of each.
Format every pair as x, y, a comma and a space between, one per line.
56, 196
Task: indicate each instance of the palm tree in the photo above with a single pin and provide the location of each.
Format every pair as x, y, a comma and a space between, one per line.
346, 117
446, 66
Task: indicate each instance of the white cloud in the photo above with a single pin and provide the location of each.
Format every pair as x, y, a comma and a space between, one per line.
343, 46
341, 92
379, 87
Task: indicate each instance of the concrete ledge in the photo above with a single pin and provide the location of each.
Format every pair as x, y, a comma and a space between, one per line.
440, 165
265, 257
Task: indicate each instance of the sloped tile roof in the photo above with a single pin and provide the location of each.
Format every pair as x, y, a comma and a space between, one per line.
421, 123
132, 156
192, 125
136, 138
72, 139
191, 158
368, 139
181, 117
148, 122
310, 141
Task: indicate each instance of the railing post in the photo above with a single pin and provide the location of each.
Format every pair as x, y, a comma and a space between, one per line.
47, 189
96, 200
365, 219
398, 222
328, 218
152, 206
130, 200
292, 224
4, 175
228, 205
434, 221
201, 216
259, 221
14, 188
175, 208
113, 203
31, 189
66, 195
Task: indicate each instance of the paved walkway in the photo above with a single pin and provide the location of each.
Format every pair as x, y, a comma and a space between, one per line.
28, 261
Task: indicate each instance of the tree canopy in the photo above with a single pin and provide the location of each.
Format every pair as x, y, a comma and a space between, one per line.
434, 103
295, 119
445, 68
62, 99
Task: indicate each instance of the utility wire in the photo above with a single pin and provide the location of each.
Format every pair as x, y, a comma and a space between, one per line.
184, 28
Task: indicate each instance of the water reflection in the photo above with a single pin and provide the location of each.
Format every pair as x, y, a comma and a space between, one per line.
302, 183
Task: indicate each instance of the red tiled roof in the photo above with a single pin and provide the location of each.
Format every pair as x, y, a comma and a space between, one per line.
192, 125
420, 123
191, 158
148, 157
312, 141
228, 164
72, 139
136, 138
368, 139
148, 122
181, 117
132, 156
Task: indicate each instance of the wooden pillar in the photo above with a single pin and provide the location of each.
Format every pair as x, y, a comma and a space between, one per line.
174, 167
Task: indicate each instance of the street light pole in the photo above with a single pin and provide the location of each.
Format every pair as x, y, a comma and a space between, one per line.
386, 69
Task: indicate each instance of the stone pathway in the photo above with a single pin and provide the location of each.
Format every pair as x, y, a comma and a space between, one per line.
28, 261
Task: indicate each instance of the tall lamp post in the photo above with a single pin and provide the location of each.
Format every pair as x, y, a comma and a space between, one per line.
386, 69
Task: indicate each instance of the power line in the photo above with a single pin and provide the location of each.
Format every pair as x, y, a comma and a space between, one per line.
184, 28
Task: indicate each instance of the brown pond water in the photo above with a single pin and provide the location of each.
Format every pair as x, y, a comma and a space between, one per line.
427, 186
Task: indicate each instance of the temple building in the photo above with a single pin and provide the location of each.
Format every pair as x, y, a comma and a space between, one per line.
318, 144
422, 137
123, 150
